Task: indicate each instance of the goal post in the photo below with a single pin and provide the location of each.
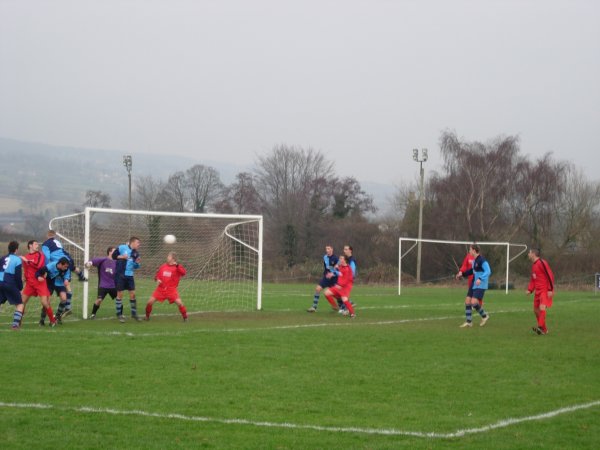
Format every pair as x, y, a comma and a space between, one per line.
222, 254
521, 248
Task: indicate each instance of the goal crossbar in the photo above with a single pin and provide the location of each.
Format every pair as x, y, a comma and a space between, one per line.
522, 248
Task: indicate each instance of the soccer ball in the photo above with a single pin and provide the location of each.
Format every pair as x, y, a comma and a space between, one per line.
170, 239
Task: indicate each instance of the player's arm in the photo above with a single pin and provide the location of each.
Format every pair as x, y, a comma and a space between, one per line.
19, 276
180, 269
353, 268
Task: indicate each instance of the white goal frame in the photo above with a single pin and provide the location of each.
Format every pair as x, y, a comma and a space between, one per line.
416, 241
86, 244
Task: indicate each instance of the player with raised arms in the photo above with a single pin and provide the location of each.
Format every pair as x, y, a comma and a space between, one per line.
168, 276
128, 260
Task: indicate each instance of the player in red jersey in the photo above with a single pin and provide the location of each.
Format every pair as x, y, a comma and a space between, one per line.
168, 276
36, 286
542, 284
343, 287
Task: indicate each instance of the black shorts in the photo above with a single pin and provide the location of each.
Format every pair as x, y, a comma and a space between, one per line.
10, 293
327, 282
125, 283
478, 293
55, 289
103, 292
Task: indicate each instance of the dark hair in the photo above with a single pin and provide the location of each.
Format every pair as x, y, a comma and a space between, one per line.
349, 247
476, 248
63, 260
133, 238
108, 250
13, 246
30, 243
536, 251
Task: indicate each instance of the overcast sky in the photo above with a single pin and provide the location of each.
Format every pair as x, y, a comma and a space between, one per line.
364, 81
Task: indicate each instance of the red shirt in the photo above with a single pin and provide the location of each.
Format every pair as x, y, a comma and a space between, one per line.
345, 278
468, 264
542, 278
35, 261
169, 275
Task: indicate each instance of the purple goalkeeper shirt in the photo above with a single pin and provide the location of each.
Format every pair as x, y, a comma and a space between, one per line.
106, 272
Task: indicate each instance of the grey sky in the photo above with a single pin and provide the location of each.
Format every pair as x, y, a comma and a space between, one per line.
362, 81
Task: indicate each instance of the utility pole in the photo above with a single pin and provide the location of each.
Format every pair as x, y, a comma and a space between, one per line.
128, 163
420, 158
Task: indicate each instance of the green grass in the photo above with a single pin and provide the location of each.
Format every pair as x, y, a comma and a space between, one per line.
403, 364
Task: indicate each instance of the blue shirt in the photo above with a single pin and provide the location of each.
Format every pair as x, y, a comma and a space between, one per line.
352, 264
126, 266
481, 271
54, 273
11, 271
52, 250
329, 263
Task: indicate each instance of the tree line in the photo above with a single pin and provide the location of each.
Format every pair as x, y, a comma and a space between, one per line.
485, 191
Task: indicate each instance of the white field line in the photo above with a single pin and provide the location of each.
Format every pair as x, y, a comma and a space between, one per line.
344, 322
371, 431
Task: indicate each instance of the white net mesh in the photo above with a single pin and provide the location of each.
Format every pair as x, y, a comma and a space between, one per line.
220, 253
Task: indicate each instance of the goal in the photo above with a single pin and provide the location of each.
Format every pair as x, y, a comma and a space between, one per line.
447, 256
221, 252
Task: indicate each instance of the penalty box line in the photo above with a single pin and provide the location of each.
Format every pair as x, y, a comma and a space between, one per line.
265, 424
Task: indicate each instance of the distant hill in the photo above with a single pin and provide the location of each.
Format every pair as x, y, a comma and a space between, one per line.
35, 174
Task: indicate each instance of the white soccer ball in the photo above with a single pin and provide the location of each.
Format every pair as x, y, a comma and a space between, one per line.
170, 239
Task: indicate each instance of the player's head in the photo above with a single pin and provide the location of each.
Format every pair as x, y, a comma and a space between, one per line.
474, 249
33, 246
51, 234
343, 261
171, 257
13, 246
134, 242
534, 253
63, 263
109, 251
329, 249
348, 250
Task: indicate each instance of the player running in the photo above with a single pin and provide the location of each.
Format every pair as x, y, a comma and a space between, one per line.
106, 278
128, 260
542, 283
343, 287
481, 272
168, 276
35, 286
11, 282
328, 280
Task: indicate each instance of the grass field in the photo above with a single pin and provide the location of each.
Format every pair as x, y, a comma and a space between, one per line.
401, 374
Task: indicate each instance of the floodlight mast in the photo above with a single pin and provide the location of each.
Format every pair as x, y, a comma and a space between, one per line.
420, 158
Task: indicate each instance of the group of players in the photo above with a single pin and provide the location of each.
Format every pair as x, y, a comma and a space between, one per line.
477, 270
49, 270
337, 281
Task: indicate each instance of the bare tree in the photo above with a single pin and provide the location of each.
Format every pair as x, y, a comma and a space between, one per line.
204, 186
176, 192
241, 197
97, 199
349, 199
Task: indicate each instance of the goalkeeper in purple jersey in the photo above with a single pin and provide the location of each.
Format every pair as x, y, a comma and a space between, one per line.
106, 278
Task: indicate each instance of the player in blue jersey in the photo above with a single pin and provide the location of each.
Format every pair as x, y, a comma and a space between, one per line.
55, 274
11, 282
481, 272
128, 260
329, 279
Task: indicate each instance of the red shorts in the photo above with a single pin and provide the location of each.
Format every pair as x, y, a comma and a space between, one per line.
541, 298
341, 292
161, 295
36, 289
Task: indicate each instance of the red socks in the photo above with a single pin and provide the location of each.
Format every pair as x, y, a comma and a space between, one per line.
148, 310
541, 319
332, 302
50, 314
183, 311
348, 305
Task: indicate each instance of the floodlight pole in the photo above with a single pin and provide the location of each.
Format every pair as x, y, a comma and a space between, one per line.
420, 158
128, 163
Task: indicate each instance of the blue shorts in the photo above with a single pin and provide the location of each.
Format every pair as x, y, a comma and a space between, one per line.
478, 293
10, 293
55, 289
327, 282
125, 283
470, 291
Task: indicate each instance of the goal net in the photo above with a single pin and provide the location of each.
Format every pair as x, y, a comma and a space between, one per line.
222, 254
441, 260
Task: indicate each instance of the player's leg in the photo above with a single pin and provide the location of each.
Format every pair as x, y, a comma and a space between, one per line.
348, 305
331, 296
318, 290
149, 307
62, 295
120, 284
468, 310
13, 296
101, 294
133, 304
45, 301
544, 303
475, 302
69, 297
182, 309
